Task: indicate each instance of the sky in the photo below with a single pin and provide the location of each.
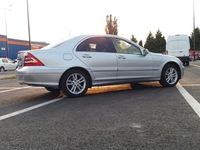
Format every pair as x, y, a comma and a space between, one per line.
56, 20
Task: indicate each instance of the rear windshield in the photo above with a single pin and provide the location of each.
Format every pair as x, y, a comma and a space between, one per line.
53, 45
58, 44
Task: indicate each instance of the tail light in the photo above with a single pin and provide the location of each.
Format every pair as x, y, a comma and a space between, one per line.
31, 60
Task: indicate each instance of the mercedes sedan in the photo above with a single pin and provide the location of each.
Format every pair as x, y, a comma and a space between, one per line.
79, 63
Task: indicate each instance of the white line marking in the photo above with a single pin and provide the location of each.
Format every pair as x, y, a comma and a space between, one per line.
191, 100
19, 88
194, 65
10, 89
7, 88
190, 84
28, 109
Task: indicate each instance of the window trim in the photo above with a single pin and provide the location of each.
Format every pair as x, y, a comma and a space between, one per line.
107, 38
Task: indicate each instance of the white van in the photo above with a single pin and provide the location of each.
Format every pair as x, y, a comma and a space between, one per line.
179, 45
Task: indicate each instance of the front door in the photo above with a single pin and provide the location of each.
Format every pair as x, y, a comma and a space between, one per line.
131, 62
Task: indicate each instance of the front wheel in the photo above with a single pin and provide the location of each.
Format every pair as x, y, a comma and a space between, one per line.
2, 69
187, 63
169, 76
75, 83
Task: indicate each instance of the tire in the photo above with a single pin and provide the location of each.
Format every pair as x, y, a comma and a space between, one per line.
53, 90
2, 69
169, 76
187, 63
134, 84
75, 83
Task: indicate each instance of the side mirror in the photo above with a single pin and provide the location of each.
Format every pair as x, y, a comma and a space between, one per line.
145, 52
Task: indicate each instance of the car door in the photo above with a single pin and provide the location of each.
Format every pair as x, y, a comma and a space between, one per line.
99, 54
131, 62
6, 64
12, 65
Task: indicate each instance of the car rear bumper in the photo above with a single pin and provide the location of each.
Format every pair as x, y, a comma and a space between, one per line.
39, 76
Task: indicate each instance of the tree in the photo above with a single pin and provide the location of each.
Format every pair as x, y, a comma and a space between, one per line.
155, 44
149, 44
133, 39
160, 42
111, 25
197, 39
140, 43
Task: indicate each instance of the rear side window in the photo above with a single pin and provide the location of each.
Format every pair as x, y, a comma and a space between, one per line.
97, 44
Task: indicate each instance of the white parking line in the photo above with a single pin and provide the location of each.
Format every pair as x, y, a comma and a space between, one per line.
28, 109
194, 65
191, 100
7, 88
10, 89
191, 84
14, 89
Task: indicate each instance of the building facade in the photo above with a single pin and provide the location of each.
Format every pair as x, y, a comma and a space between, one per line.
10, 47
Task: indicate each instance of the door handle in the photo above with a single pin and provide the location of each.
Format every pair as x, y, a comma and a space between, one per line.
86, 56
121, 57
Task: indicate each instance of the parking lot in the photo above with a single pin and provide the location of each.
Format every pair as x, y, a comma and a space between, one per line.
109, 117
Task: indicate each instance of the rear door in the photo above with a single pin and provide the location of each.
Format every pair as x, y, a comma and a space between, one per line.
12, 65
99, 54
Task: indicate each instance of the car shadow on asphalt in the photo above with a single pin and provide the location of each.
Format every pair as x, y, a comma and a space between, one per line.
122, 87
29, 99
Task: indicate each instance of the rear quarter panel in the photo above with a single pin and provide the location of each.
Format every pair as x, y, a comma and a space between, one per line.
57, 61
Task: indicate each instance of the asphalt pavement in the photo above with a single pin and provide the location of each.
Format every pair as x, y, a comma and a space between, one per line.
7, 75
147, 117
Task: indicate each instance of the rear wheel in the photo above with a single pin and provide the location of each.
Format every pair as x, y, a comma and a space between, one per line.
75, 83
169, 76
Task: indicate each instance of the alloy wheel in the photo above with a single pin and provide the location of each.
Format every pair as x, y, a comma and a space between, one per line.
76, 83
171, 75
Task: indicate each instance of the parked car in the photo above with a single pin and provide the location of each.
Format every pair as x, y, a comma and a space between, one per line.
79, 63
7, 64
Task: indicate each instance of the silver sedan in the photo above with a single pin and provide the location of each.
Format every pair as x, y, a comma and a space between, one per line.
79, 63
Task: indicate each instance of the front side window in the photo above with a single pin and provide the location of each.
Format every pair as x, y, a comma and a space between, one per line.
125, 47
96, 44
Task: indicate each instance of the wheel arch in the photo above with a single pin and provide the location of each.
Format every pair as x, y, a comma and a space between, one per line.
172, 63
77, 68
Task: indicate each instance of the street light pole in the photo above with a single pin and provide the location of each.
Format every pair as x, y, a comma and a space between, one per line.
194, 46
7, 46
29, 32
